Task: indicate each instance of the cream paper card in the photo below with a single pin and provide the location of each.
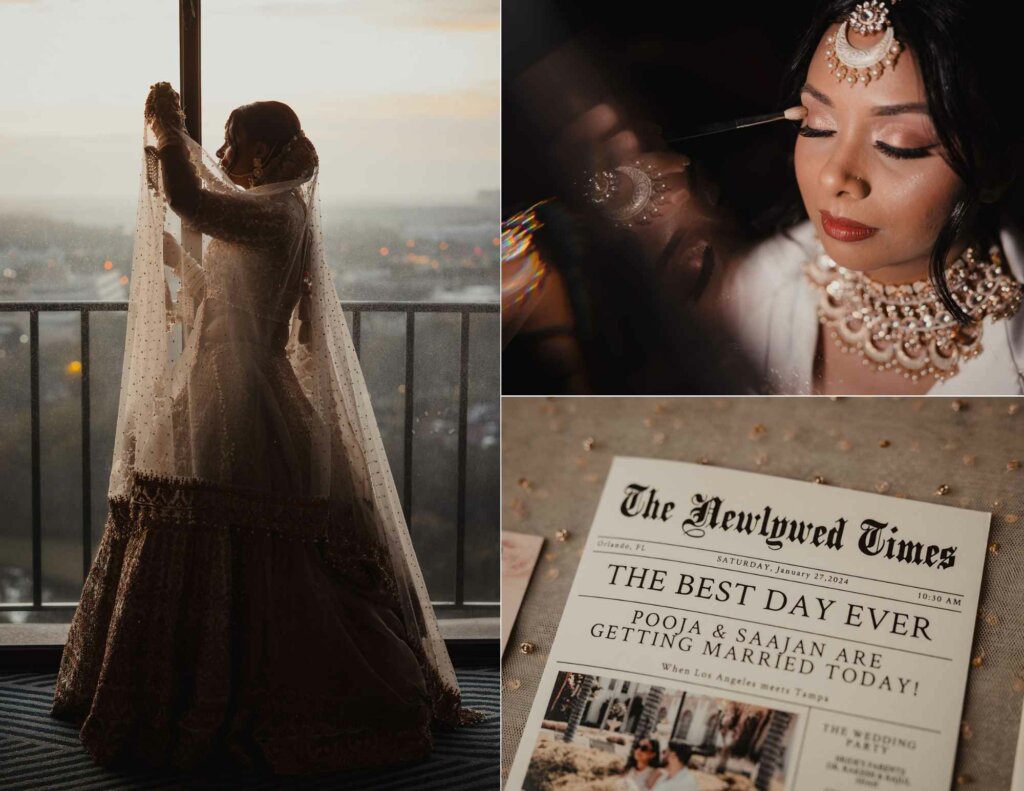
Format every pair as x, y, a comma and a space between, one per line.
780, 635
519, 553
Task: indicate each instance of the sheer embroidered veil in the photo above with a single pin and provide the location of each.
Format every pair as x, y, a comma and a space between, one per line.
262, 289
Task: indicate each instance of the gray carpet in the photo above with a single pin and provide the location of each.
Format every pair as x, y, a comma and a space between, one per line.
39, 752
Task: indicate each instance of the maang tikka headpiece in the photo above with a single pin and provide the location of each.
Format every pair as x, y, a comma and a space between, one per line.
853, 64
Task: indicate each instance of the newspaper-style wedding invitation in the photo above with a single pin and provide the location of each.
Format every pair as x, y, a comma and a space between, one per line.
766, 633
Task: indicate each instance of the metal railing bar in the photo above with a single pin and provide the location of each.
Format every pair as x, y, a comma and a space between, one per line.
86, 452
357, 330
61, 606
410, 362
37, 514
370, 305
460, 518
84, 308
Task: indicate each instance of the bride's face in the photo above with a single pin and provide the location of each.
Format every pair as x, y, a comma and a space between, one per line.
237, 154
870, 169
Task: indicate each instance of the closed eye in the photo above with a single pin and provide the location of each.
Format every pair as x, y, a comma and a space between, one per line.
904, 153
894, 152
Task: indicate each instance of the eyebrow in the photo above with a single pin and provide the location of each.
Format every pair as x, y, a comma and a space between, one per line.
883, 110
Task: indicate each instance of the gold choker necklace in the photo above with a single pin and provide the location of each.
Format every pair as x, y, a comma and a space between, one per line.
908, 328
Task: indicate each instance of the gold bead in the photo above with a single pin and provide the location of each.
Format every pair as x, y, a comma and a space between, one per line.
527, 647
943, 489
562, 535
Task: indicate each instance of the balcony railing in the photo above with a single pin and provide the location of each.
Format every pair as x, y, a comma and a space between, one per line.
357, 309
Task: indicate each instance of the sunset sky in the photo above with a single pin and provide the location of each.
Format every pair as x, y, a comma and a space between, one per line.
399, 96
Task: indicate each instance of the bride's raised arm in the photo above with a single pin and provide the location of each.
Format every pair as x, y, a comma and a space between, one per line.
228, 214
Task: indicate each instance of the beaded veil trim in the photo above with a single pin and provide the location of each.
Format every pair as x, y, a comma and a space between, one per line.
907, 327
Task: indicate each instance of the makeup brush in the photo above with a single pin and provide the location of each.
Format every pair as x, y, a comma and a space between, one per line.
797, 113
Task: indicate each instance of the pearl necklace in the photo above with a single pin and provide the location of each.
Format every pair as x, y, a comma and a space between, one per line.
908, 327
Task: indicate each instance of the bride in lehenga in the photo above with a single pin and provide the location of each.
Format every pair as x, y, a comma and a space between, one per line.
255, 597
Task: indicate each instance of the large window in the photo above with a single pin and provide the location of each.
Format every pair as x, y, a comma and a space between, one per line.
401, 100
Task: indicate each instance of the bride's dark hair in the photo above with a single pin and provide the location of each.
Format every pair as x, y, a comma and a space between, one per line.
277, 125
958, 46
273, 123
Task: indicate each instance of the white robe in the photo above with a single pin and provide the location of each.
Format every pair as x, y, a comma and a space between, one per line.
771, 309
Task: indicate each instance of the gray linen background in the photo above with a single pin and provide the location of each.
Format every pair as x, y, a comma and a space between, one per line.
549, 481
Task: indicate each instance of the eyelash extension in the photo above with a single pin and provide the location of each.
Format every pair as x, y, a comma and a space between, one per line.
808, 131
903, 153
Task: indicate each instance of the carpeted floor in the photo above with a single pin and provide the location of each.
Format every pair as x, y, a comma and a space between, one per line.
38, 752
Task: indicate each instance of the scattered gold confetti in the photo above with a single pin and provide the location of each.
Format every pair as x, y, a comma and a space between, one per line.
562, 535
758, 431
658, 438
884, 443
993, 548
513, 684
882, 487
660, 409
1010, 518
524, 483
958, 405
549, 556
527, 647
992, 619
592, 478
965, 730
978, 660
963, 780
588, 444
703, 460
970, 458
648, 422
817, 479
1013, 464
942, 489
844, 444
1013, 409
552, 573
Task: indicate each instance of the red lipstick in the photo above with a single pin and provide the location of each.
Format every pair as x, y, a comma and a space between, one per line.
844, 229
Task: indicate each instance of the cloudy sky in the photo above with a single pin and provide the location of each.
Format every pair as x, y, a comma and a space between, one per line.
401, 97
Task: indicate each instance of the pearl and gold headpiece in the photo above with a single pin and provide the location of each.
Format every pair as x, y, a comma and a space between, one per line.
854, 65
